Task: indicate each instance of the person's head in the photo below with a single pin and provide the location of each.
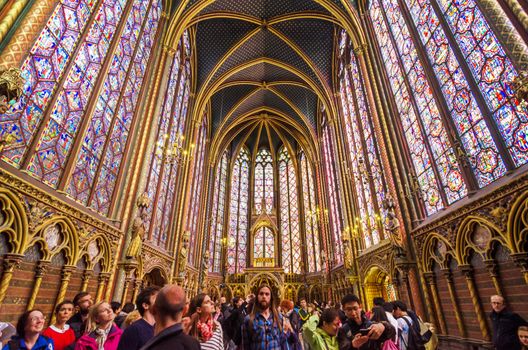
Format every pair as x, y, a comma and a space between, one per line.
128, 307
522, 332
286, 305
64, 311
30, 322
82, 302
116, 306
378, 301
388, 307
303, 303
100, 316
330, 321
378, 314
352, 308
497, 303
250, 298
169, 305
201, 305
310, 307
264, 298
223, 300
237, 302
400, 308
145, 300
131, 318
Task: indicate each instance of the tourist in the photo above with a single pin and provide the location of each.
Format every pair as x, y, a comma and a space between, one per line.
350, 335
203, 327
522, 332
304, 314
101, 331
138, 333
379, 315
82, 302
389, 309
61, 332
288, 312
505, 325
263, 327
168, 312
250, 301
320, 333
233, 324
131, 318
405, 323
29, 328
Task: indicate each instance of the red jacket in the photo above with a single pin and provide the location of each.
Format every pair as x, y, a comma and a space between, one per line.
87, 341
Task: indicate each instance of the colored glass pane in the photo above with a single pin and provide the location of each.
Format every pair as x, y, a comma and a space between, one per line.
217, 223
42, 70
54, 146
263, 181
313, 247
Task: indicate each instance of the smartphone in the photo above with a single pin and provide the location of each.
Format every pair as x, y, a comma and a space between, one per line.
364, 331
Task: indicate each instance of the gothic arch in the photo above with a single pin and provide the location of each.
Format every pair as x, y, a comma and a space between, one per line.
436, 248
517, 231
14, 222
67, 239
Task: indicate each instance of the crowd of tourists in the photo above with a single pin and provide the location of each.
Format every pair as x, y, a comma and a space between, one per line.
166, 319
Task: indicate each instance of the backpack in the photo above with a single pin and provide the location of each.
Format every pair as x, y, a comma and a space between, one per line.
420, 327
389, 345
414, 339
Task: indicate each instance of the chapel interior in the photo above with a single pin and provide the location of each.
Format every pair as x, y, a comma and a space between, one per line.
324, 147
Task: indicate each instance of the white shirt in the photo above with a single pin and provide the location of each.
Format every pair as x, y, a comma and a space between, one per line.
403, 339
393, 322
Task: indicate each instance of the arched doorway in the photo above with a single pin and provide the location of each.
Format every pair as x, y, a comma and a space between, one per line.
378, 284
154, 278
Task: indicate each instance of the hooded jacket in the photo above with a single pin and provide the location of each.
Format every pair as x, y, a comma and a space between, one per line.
316, 338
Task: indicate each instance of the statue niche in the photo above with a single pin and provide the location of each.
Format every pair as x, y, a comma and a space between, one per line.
138, 229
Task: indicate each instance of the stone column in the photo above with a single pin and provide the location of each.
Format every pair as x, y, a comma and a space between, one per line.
450, 286
492, 267
137, 287
40, 271
104, 277
87, 274
468, 273
430, 278
520, 259
66, 273
11, 261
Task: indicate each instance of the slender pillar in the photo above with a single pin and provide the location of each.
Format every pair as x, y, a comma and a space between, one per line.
437, 312
10, 17
468, 273
520, 259
519, 12
66, 273
103, 281
11, 261
493, 271
40, 271
450, 286
137, 287
85, 279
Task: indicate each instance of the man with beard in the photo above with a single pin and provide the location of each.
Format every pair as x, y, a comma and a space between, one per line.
82, 302
350, 336
263, 328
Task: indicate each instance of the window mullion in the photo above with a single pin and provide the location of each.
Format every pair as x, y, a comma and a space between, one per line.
439, 185
486, 113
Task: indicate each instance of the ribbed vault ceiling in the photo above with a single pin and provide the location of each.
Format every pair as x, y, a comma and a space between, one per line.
270, 56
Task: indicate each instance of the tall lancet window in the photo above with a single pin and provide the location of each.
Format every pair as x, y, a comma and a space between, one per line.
289, 214
264, 248
463, 109
363, 149
196, 192
168, 149
238, 214
313, 244
333, 212
263, 181
217, 212
83, 77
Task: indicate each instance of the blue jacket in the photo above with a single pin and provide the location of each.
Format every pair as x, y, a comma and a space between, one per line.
17, 343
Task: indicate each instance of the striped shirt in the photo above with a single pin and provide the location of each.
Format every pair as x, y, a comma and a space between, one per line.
217, 340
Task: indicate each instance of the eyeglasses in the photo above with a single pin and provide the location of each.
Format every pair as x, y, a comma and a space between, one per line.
37, 319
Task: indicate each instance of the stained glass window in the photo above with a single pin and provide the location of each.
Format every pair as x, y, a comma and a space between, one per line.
473, 74
289, 214
217, 212
196, 191
366, 168
238, 214
263, 181
333, 212
66, 75
168, 150
313, 244
264, 246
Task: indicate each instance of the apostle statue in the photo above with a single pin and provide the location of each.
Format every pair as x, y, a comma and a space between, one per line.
138, 228
182, 255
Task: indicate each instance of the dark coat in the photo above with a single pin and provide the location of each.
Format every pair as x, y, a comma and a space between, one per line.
76, 323
350, 328
172, 338
505, 325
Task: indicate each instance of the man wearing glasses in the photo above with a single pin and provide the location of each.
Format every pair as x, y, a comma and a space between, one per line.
505, 325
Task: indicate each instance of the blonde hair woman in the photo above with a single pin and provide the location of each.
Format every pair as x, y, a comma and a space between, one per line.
101, 332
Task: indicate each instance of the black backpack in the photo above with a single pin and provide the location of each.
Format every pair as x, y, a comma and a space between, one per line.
414, 339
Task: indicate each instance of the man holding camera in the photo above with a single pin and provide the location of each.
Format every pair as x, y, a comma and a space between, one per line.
358, 332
